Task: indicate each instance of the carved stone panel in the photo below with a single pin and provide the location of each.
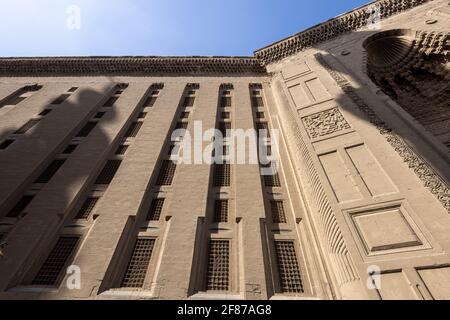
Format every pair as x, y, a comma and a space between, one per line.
325, 123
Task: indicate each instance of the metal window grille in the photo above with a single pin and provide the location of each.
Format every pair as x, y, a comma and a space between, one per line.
50, 171
133, 130
138, 264
166, 173
87, 208
56, 261
108, 172
222, 175
155, 210
218, 272
278, 213
272, 180
288, 267
122, 150
221, 211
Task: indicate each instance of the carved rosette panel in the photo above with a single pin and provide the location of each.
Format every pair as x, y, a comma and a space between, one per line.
325, 123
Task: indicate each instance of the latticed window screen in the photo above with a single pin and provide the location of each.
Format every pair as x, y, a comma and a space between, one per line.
278, 213
225, 102
56, 261
84, 132
263, 129
133, 130
224, 128
27, 126
189, 101
61, 99
222, 175
166, 173
50, 171
149, 102
221, 211
138, 264
154, 213
108, 172
257, 102
20, 206
288, 267
218, 272
111, 101
260, 115
272, 180
122, 149
87, 208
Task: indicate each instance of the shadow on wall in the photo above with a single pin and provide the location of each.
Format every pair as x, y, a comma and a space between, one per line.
411, 69
49, 171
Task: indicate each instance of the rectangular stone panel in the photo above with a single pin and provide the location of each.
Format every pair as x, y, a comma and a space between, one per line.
394, 286
437, 281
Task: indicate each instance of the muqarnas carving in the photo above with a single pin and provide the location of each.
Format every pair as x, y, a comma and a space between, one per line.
325, 123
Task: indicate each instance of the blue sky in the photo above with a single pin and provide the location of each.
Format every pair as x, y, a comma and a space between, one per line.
164, 27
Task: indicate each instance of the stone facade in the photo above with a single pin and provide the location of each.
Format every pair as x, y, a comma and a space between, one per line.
359, 208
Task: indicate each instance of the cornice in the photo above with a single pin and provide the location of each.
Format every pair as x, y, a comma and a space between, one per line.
128, 66
330, 29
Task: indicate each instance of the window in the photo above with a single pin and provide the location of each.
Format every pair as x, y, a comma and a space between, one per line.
288, 268
142, 115
189, 101
166, 173
73, 89
263, 129
70, 148
181, 125
278, 214
138, 264
87, 208
272, 180
184, 115
122, 149
257, 102
221, 211
61, 99
15, 100
218, 272
45, 112
225, 102
224, 128
2, 235
20, 95
108, 172
27, 126
222, 175
20, 206
50, 171
56, 261
5, 144
260, 115
149, 102
133, 130
99, 115
225, 115
155, 209
84, 132
111, 101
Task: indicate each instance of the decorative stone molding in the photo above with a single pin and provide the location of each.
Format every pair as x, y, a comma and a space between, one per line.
334, 242
130, 66
351, 21
325, 123
430, 178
